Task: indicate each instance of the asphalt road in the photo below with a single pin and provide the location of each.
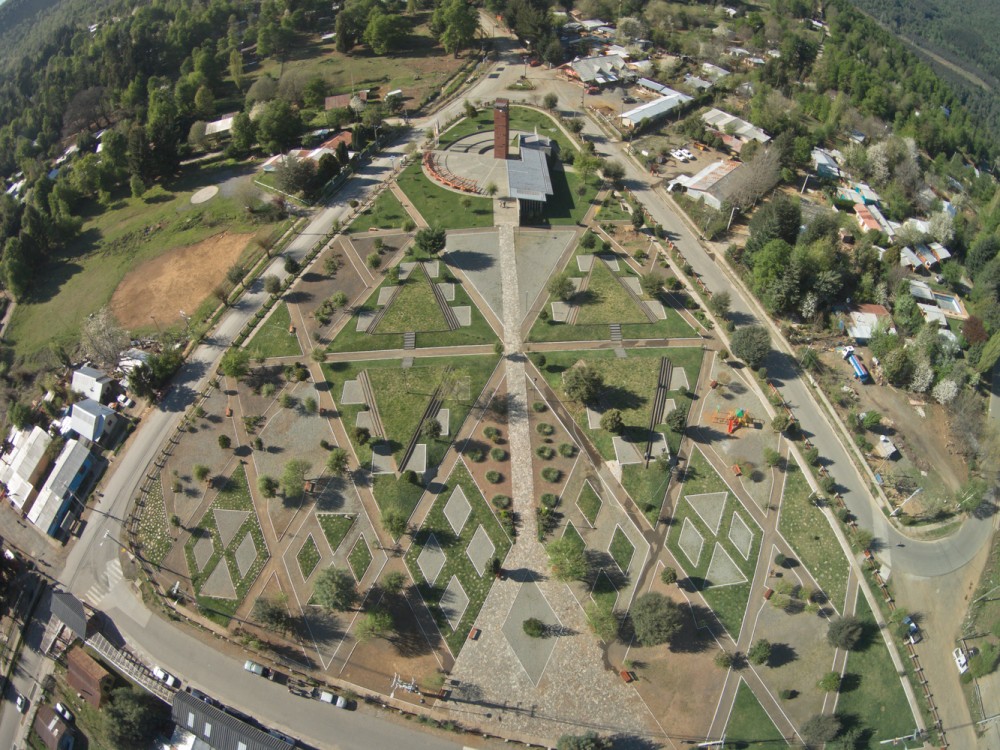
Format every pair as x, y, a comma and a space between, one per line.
219, 675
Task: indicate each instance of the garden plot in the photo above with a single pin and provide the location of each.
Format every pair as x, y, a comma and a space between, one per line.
723, 576
439, 556
409, 305
275, 337
221, 581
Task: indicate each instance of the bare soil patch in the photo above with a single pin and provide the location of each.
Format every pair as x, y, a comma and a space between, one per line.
177, 280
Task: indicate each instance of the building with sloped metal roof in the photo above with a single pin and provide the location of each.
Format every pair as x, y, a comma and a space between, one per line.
218, 730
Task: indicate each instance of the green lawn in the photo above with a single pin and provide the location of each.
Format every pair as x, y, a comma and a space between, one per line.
235, 496
386, 213
401, 398
572, 533
360, 558
808, 532
521, 118
440, 207
605, 300
647, 486
567, 206
621, 549
728, 601
80, 279
604, 592
396, 495
749, 725
874, 698
589, 503
335, 527
153, 535
457, 561
630, 387
413, 308
351, 340
611, 210
273, 339
308, 557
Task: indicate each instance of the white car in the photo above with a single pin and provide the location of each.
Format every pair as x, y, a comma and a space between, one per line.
64, 713
334, 700
961, 660
165, 677
22, 704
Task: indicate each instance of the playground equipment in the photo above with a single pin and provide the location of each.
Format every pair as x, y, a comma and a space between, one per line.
734, 420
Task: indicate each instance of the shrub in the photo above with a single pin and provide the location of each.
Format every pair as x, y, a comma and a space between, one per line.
533, 627
845, 633
771, 457
812, 456
985, 661
494, 477
491, 433
475, 454
544, 452
224, 441
786, 694
501, 502
567, 450
827, 483
549, 500
668, 576
760, 652
611, 421
820, 728
539, 406
829, 683
544, 428
498, 454
724, 660
551, 474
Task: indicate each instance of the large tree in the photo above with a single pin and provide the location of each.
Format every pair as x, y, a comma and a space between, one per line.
135, 718
751, 344
103, 340
279, 126
656, 619
456, 23
385, 32
583, 383
335, 589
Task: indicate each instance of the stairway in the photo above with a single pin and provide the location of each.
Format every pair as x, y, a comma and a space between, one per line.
409, 340
616, 332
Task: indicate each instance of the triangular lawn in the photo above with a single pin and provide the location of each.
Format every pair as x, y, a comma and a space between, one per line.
414, 308
605, 299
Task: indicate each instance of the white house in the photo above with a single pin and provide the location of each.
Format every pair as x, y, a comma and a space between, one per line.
89, 419
90, 382
714, 184
21, 469
668, 102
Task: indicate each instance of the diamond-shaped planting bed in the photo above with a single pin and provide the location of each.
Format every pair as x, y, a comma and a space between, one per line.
741, 536
457, 510
723, 571
229, 522
431, 559
360, 558
480, 550
621, 549
691, 542
246, 555
532, 653
454, 602
219, 585
203, 551
709, 507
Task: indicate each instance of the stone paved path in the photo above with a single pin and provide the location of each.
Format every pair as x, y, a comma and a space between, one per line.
574, 688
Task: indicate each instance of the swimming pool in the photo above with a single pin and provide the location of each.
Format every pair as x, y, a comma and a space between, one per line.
948, 303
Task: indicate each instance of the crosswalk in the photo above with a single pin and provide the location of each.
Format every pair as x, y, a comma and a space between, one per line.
110, 578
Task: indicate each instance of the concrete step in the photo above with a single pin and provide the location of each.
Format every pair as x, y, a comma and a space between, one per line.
616, 332
409, 340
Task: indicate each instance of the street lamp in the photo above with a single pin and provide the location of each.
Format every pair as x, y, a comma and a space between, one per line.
896, 512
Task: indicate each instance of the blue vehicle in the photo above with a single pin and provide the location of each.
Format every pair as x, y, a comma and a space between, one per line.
860, 371
912, 630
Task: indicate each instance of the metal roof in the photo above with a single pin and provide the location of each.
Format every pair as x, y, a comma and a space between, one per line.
670, 101
528, 177
69, 610
221, 731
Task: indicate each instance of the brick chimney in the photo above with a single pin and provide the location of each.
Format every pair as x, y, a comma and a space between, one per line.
501, 129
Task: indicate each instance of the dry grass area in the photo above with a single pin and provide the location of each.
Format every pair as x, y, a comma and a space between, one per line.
177, 280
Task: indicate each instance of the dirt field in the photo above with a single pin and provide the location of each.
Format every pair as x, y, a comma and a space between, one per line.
178, 280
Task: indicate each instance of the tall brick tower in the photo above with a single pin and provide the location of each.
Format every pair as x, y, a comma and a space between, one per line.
501, 129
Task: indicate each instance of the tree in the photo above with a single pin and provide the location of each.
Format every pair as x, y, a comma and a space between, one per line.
561, 287
612, 421
809, 359
752, 344
135, 718
656, 619
777, 219
533, 627
567, 558
235, 363
830, 682
430, 430
335, 589
394, 582
395, 523
638, 219
651, 284
294, 175
336, 462
771, 457
375, 624
582, 383
897, 366
668, 575
293, 478
756, 178
279, 126
273, 613
760, 652
614, 172
268, 486
430, 240
456, 23
242, 136
845, 632
272, 284
820, 728
550, 100
871, 419
587, 741
385, 32
677, 420
201, 472
720, 304
103, 340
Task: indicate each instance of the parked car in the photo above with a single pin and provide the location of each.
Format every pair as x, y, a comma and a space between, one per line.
258, 669
961, 660
912, 630
334, 700
22, 703
195, 693
165, 677
629, 99
65, 713
593, 90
